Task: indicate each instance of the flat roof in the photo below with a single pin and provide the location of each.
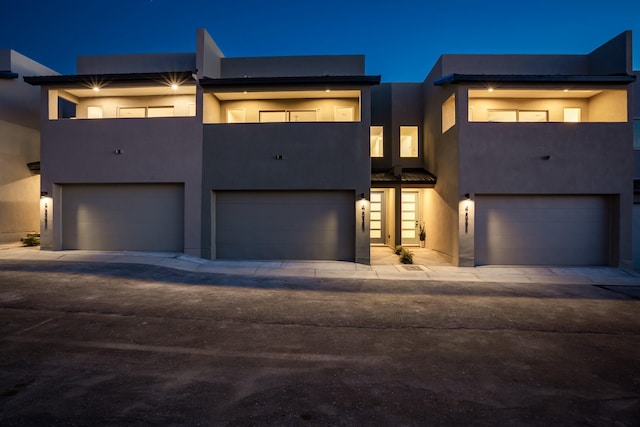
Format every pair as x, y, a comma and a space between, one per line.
531, 78
237, 82
8, 75
162, 77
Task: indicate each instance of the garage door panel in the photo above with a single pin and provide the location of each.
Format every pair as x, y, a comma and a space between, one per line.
542, 230
135, 217
284, 225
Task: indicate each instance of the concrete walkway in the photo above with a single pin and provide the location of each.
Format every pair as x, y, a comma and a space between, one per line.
428, 266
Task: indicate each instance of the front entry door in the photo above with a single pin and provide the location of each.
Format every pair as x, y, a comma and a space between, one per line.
410, 217
376, 222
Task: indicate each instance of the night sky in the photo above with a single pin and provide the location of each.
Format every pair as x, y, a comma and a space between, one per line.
401, 39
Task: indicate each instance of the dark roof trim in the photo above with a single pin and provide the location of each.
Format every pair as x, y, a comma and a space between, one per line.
408, 176
504, 78
34, 166
8, 75
167, 76
289, 81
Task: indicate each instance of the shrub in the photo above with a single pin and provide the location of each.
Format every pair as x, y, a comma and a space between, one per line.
406, 256
31, 240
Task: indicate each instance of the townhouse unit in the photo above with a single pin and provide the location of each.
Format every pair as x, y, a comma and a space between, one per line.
19, 146
223, 158
500, 159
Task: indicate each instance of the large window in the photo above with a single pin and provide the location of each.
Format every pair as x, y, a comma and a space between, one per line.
547, 105
377, 146
408, 141
636, 134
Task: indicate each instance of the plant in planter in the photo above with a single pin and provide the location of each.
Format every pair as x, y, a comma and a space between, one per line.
406, 256
422, 235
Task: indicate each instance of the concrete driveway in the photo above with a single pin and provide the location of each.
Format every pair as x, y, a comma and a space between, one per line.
129, 344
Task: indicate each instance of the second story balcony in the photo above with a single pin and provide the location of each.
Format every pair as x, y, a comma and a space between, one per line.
595, 105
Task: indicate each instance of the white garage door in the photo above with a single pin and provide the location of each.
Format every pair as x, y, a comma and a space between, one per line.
542, 230
269, 225
132, 217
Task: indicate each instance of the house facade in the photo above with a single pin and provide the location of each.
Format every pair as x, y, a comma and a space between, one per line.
19, 146
500, 159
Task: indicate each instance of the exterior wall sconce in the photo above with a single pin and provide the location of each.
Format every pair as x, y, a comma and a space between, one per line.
279, 157
362, 198
546, 157
117, 151
466, 213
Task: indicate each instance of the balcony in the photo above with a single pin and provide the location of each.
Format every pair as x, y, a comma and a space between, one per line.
166, 100
282, 106
556, 105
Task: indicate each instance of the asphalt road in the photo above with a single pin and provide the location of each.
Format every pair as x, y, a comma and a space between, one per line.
114, 344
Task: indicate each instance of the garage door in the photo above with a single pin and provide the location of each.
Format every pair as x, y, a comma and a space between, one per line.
268, 225
542, 230
122, 217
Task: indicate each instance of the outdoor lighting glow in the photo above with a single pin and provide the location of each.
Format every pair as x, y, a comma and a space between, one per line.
328, 90
566, 90
174, 86
490, 89
96, 89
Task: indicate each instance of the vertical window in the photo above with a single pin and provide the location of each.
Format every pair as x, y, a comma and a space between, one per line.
408, 141
572, 114
636, 134
377, 149
448, 113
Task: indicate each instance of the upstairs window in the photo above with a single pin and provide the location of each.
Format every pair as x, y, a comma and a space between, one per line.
376, 141
408, 141
636, 134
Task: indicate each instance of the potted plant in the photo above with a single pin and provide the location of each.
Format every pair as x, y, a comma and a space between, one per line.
422, 235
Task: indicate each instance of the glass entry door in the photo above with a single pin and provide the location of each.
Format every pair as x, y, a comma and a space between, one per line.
410, 217
376, 221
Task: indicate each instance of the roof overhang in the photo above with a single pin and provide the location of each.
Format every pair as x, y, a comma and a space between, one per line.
8, 75
417, 177
530, 78
104, 79
280, 81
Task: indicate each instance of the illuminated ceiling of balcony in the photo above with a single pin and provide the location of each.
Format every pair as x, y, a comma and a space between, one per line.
162, 90
529, 94
306, 94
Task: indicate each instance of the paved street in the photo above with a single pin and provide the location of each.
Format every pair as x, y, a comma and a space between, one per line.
90, 343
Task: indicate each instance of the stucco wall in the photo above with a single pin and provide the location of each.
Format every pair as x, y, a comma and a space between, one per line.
316, 156
19, 187
19, 145
585, 158
153, 150
136, 63
277, 66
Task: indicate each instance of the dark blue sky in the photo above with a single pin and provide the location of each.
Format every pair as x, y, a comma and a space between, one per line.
401, 39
